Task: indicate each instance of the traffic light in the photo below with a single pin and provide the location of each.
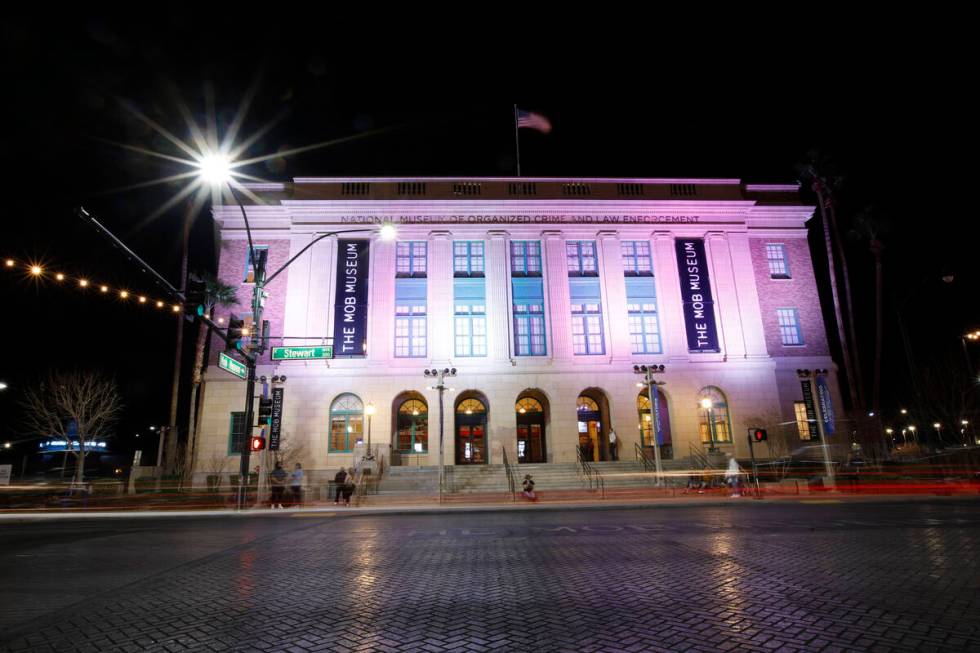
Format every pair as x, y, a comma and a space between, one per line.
236, 331
759, 435
195, 296
257, 443
265, 410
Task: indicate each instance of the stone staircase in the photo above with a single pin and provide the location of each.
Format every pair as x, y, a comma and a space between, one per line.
478, 479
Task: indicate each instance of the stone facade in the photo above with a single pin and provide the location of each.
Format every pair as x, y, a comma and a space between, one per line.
753, 370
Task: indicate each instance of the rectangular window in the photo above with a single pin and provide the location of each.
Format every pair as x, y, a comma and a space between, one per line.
581, 258
529, 337
471, 329
789, 326
636, 258
236, 433
525, 258
587, 329
410, 330
410, 259
644, 328
468, 258
776, 257
262, 254
802, 422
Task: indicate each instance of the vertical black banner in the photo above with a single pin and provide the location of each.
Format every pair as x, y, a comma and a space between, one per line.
275, 428
811, 411
350, 307
699, 305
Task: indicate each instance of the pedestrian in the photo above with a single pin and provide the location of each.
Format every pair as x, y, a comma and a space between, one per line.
340, 479
613, 445
733, 476
296, 485
278, 480
349, 483
529, 488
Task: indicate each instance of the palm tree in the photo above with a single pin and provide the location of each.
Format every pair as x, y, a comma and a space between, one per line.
816, 170
216, 293
869, 227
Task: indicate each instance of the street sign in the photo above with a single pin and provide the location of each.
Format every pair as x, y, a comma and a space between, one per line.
229, 364
302, 353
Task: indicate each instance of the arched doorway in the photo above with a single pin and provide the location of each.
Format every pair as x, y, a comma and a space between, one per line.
591, 411
647, 420
471, 431
530, 430
411, 427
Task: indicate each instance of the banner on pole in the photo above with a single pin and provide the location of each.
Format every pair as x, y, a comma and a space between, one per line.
276, 425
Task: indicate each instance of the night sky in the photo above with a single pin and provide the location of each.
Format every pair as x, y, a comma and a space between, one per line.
746, 106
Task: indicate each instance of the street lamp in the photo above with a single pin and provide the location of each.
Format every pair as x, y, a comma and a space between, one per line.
653, 394
708, 406
369, 410
216, 169
939, 431
440, 385
3, 386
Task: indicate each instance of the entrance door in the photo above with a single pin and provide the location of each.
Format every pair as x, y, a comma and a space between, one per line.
530, 431
589, 429
471, 432
413, 431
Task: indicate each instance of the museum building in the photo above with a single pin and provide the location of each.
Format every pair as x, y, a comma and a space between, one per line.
542, 294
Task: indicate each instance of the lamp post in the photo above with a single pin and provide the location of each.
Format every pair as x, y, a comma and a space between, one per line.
939, 431
369, 410
828, 465
709, 406
216, 169
439, 376
654, 396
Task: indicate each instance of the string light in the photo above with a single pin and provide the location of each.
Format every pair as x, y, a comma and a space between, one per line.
36, 270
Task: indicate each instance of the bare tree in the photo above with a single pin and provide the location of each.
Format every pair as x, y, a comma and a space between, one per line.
66, 401
290, 450
783, 436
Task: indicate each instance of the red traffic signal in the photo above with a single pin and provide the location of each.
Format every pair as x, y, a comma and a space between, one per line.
759, 435
257, 443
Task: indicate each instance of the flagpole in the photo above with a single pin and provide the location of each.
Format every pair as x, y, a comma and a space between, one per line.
517, 141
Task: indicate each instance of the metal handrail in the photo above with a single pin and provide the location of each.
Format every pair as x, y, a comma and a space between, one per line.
591, 474
642, 455
698, 456
511, 480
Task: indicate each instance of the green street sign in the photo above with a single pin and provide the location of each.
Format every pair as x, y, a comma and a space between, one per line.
302, 353
229, 364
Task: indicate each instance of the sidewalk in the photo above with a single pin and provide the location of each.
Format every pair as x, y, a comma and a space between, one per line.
497, 503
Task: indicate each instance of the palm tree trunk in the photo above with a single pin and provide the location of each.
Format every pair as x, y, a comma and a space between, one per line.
876, 250
831, 266
179, 344
202, 337
832, 214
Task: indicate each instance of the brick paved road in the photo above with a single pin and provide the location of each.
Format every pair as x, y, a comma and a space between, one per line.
755, 577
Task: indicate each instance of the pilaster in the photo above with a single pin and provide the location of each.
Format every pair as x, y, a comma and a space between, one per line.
498, 297
440, 297
669, 301
614, 296
559, 304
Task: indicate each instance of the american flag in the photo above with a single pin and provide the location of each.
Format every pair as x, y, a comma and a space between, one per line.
533, 120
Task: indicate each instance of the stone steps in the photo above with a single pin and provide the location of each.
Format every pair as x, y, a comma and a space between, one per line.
474, 479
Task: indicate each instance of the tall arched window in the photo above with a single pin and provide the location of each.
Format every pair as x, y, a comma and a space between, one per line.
346, 422
714, 424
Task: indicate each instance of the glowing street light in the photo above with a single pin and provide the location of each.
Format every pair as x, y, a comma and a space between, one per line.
215, 168
36, 270
3, 386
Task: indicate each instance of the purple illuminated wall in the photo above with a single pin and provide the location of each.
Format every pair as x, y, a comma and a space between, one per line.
231, 270
799, 292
